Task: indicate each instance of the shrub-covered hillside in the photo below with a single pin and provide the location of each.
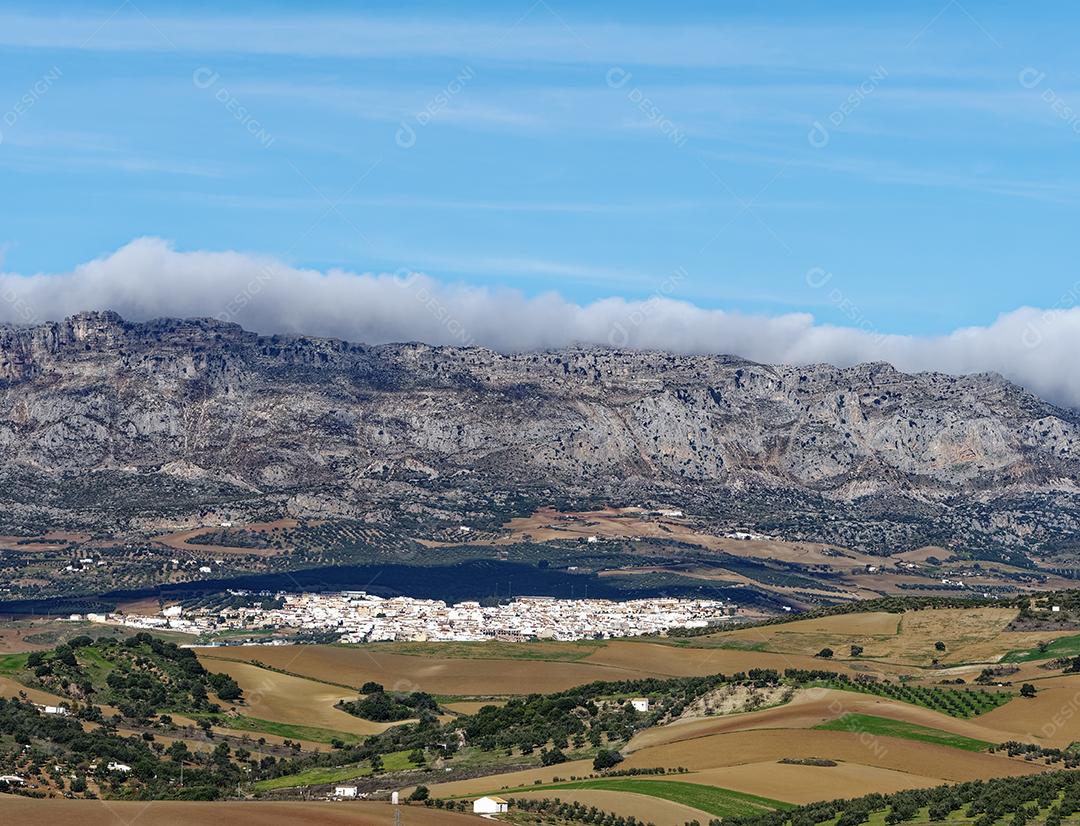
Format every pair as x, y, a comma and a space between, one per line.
140, 676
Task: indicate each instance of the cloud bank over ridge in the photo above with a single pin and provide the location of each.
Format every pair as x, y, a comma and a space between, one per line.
147, 278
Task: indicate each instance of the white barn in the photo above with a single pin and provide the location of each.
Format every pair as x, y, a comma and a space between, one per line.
344, 791
490, 806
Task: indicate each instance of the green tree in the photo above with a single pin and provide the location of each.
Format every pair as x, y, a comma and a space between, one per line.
606, 759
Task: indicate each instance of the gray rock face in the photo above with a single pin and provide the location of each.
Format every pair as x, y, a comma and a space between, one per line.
205, 399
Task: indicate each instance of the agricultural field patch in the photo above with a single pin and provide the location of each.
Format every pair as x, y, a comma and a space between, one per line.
394, 761
885, 727
493, 650
954, 702
356, 665
1061, 647
711, 799
905, 638
20, 811
645, 808
283, 698
291, 731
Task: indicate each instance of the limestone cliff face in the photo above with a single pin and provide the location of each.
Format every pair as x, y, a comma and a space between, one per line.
96, 392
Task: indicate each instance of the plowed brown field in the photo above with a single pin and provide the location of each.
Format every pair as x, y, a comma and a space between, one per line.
269, 695
806, 784
21, 811
645, 808
355, 666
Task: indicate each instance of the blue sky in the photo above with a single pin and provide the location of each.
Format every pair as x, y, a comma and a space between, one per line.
591, 149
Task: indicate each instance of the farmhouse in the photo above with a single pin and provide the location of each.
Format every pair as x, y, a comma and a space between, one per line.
640, 703
345, 791
123, 768
490, 806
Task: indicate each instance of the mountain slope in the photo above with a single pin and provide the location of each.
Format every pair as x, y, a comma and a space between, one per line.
324, 426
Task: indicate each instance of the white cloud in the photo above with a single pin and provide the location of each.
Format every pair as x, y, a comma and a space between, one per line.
148, 278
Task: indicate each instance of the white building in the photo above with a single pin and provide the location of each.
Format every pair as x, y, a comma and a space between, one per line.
640, 703
490, 806
124, 768
344, 791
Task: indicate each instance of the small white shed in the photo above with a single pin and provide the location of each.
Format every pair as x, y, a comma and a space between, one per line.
490, 806
640, 703
344, 791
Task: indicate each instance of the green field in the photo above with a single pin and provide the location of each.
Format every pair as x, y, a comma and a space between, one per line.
291, 730
12, 664
95, 665
711, 799
884, 727
1061, 647
394, 761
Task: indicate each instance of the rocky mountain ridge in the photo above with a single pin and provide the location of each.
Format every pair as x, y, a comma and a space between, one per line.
334, 427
